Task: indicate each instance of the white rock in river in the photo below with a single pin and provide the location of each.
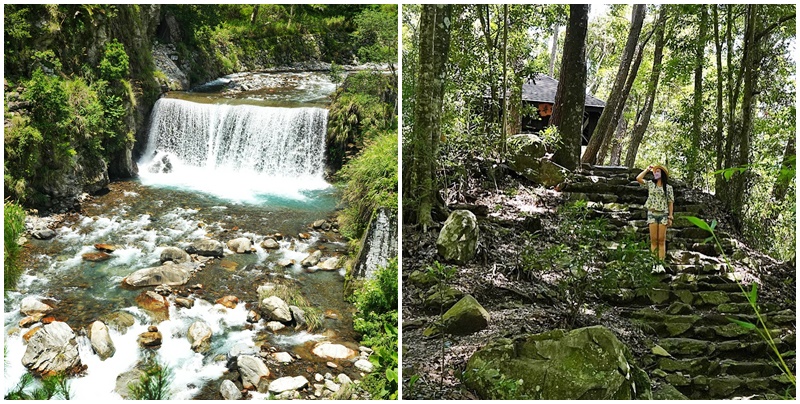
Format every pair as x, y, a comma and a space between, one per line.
312, 259
333, 351
206, 247
240, 245
270, 244
252, 369
287, 383
35, 307
167, 274
283, 357
330, 264
52, 349
331, 385
275, 326
199, 336
277, 309
175, 255
364, 365
229, 390
343, 379
101, 340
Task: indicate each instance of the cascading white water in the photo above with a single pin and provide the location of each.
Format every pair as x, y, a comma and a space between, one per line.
235, 151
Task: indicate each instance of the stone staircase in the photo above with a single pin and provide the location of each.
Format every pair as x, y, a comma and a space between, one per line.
698, 349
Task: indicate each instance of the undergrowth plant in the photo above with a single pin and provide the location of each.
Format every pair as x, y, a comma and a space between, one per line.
443, 274
55, 386
376, 320
752, 299
13, 226
153, 384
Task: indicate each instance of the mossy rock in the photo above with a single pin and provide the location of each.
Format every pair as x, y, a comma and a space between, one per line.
422, 278
465, 317
444, 298
686, 346
668, 392
587, 363
458, 239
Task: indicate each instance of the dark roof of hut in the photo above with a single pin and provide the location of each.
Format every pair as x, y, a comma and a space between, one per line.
544, 90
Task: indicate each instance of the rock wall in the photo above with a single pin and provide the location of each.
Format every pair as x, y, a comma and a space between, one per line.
379, 244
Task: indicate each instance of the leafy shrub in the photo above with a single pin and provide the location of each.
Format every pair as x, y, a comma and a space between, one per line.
115, 64
368, 182
13, 226
376, 320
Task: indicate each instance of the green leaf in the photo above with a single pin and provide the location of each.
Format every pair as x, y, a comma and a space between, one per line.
699, 223
391, 375
744, 324
753, 295
713, 224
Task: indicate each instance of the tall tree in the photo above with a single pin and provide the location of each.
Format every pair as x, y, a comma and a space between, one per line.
643, 118
571, 93
553, 49
719, 129
615, 97
434, 45
697, 107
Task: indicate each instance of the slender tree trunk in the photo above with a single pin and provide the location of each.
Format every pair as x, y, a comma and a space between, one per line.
434, 45
719, 124
572, 88
616, 146
514, 122
254, 15
623, 99
637, 18
739, 182
505, 84
788, 167
697, 108
487, 37
639, 128
553, 49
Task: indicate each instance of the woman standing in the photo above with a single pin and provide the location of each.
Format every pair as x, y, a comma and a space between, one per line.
659, 205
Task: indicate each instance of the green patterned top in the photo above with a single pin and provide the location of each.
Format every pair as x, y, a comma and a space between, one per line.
656, 201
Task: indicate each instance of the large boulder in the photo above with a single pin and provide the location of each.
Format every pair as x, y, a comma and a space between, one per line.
330, 350
175, 255
199, 336
526, 157
583, 364
276, 309
465, 317
51, 350
312, 259
229, 391
101, 341
252, 370
458, 239
155, 304
207, 248
168, 274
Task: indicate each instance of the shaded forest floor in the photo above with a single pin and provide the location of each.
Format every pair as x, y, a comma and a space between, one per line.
514, 216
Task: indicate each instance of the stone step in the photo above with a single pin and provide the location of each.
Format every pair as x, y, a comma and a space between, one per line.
689, 347
600, 170
728, 386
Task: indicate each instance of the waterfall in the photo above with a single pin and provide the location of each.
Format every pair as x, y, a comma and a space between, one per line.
235, 151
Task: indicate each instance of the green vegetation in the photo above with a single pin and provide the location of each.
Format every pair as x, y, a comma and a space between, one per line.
752, 298
293, 297
56, 386
154, 383
13, 226
583, 266
376, 320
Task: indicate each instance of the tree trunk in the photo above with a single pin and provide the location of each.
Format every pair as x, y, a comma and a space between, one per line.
697, 107
739, 182
514, 123
719, 124
788, 167
637, 18
254, 15
434, 45
505, 84
622, 100
553, 53
639, 128
572, 88
616, 145
487, 36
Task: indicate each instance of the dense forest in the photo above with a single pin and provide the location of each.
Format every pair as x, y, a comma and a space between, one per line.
543, 190
81, 82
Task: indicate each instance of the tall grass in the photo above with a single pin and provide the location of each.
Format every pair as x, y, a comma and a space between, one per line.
13, 226
154, 383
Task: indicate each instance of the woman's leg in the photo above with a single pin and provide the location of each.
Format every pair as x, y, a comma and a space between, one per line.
653, 237
662, 241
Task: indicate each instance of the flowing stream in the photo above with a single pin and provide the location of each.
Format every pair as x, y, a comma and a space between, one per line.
217, 167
